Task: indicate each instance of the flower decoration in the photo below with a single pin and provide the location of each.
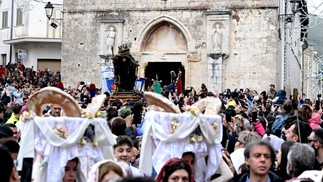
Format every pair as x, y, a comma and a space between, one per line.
215, 127
61, 131
91, 115
193, 139
26, 115
89, 136
87, 114
196, 136
95, 143
101, 114
174, 124
83, 142
200, 138
192, 109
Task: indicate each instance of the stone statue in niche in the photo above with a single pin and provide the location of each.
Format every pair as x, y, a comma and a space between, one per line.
217, 38
110, 40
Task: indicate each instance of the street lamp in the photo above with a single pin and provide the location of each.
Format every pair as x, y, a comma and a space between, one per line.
295, 4
49, 10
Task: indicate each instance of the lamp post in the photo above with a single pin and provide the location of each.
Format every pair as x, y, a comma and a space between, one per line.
49, 10
295, 4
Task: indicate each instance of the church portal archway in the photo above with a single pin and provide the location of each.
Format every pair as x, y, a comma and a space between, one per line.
164, 44
164, 37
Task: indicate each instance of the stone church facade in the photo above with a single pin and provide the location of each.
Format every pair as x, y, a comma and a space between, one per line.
222, 43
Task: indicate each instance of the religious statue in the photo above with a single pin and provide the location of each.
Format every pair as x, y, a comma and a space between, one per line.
172, 77
125, 69
217, 39
110, 40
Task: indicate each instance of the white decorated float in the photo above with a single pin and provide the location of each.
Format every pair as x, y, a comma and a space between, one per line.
53, 141
169, 134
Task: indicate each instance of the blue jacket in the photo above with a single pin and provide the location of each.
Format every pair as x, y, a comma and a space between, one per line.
278, 124
13, 92
281, 94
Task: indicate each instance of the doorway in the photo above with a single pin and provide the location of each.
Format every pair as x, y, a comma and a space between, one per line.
52, 64
162, 70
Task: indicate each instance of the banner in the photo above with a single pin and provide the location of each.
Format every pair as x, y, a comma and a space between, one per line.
157, 87
140, 83
110, 85
179, 86
107, 74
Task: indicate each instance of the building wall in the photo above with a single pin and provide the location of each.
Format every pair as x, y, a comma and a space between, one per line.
37, 51
251, 29
36, 26
253, 59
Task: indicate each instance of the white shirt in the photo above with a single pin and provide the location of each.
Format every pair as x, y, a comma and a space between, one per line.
135, 171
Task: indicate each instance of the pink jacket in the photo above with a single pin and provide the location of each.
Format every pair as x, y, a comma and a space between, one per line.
314, 121
260, 129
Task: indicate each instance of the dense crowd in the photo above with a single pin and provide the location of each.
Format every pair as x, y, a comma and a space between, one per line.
266, 136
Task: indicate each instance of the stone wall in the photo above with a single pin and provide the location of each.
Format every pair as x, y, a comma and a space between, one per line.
250, 33
253, 60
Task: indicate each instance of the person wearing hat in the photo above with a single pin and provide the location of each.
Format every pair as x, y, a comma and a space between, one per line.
315, 140
125, 113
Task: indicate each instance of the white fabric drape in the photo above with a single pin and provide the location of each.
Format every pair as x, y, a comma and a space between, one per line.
56, 151
158, 145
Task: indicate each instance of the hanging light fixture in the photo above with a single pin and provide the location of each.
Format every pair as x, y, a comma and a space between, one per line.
49, 10
295, 5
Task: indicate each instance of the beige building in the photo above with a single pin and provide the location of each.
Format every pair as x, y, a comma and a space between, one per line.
224, 43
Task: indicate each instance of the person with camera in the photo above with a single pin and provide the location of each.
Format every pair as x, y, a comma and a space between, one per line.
283, 113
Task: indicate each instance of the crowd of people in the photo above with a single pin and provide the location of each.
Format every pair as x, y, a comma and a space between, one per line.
266, 136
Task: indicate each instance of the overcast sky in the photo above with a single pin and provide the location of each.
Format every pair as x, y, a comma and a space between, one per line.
315, 7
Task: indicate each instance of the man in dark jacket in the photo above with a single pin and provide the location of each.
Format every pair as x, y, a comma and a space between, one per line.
259, 157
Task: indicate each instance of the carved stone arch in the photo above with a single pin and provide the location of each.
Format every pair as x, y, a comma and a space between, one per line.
160, 23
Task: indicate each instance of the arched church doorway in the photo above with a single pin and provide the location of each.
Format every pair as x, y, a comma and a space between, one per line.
162, 70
